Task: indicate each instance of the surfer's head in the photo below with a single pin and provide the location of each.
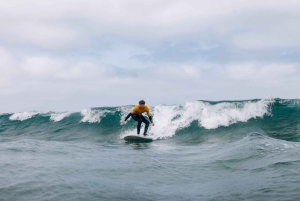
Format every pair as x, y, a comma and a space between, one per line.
142, 103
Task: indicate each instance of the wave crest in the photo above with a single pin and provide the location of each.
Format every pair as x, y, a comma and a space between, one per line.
59, 116
93, 116
208, 114
21, 116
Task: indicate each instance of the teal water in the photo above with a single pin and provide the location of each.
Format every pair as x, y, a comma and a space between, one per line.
237, 150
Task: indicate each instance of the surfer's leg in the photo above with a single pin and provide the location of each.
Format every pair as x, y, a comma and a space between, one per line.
146, 124
139, 127
139, 120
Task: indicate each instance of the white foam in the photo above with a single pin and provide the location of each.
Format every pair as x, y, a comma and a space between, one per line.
124, 110
128, 132
168, 119
225, 114
59, 116
93, 116
21, 116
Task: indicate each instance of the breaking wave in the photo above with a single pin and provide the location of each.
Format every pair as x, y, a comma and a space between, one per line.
194, 117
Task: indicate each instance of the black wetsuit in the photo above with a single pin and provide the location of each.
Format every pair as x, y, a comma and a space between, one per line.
140, 119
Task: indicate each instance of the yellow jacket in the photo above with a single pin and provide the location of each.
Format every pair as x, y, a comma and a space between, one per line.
139, 111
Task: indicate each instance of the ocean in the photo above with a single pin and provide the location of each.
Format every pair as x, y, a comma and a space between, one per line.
202, 150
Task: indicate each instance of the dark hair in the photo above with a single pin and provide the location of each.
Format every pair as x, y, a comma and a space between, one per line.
142, 102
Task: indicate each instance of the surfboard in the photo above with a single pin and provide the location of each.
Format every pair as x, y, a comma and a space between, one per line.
136, 138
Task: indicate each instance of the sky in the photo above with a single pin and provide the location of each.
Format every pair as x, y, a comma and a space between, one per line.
75, 54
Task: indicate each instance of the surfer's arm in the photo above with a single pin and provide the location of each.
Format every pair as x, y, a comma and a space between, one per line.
150, 118
131, 113
149, 115
128, 116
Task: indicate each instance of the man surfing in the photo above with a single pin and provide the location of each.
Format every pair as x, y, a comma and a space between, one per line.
136, 114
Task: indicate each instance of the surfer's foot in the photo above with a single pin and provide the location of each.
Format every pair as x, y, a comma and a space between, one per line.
138, 134
145, 135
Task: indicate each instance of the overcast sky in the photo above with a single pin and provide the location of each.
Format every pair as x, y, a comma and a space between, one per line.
74, 54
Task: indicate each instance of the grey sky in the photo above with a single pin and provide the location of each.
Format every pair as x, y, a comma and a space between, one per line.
75, 54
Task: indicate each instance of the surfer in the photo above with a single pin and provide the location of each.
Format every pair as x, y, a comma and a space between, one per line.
136, 114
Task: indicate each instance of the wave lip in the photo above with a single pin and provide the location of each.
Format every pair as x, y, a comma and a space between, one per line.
21, 116
94, 116
209, 115
225, 114
59, 116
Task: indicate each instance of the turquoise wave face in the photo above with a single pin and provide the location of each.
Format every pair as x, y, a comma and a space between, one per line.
194, 122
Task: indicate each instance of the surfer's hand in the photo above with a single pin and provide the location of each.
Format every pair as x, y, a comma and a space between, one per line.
123, 122
152, 123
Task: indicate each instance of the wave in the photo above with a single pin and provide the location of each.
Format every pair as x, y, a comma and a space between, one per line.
21, 116
274, 117
209, 115
59, 116
94, 116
